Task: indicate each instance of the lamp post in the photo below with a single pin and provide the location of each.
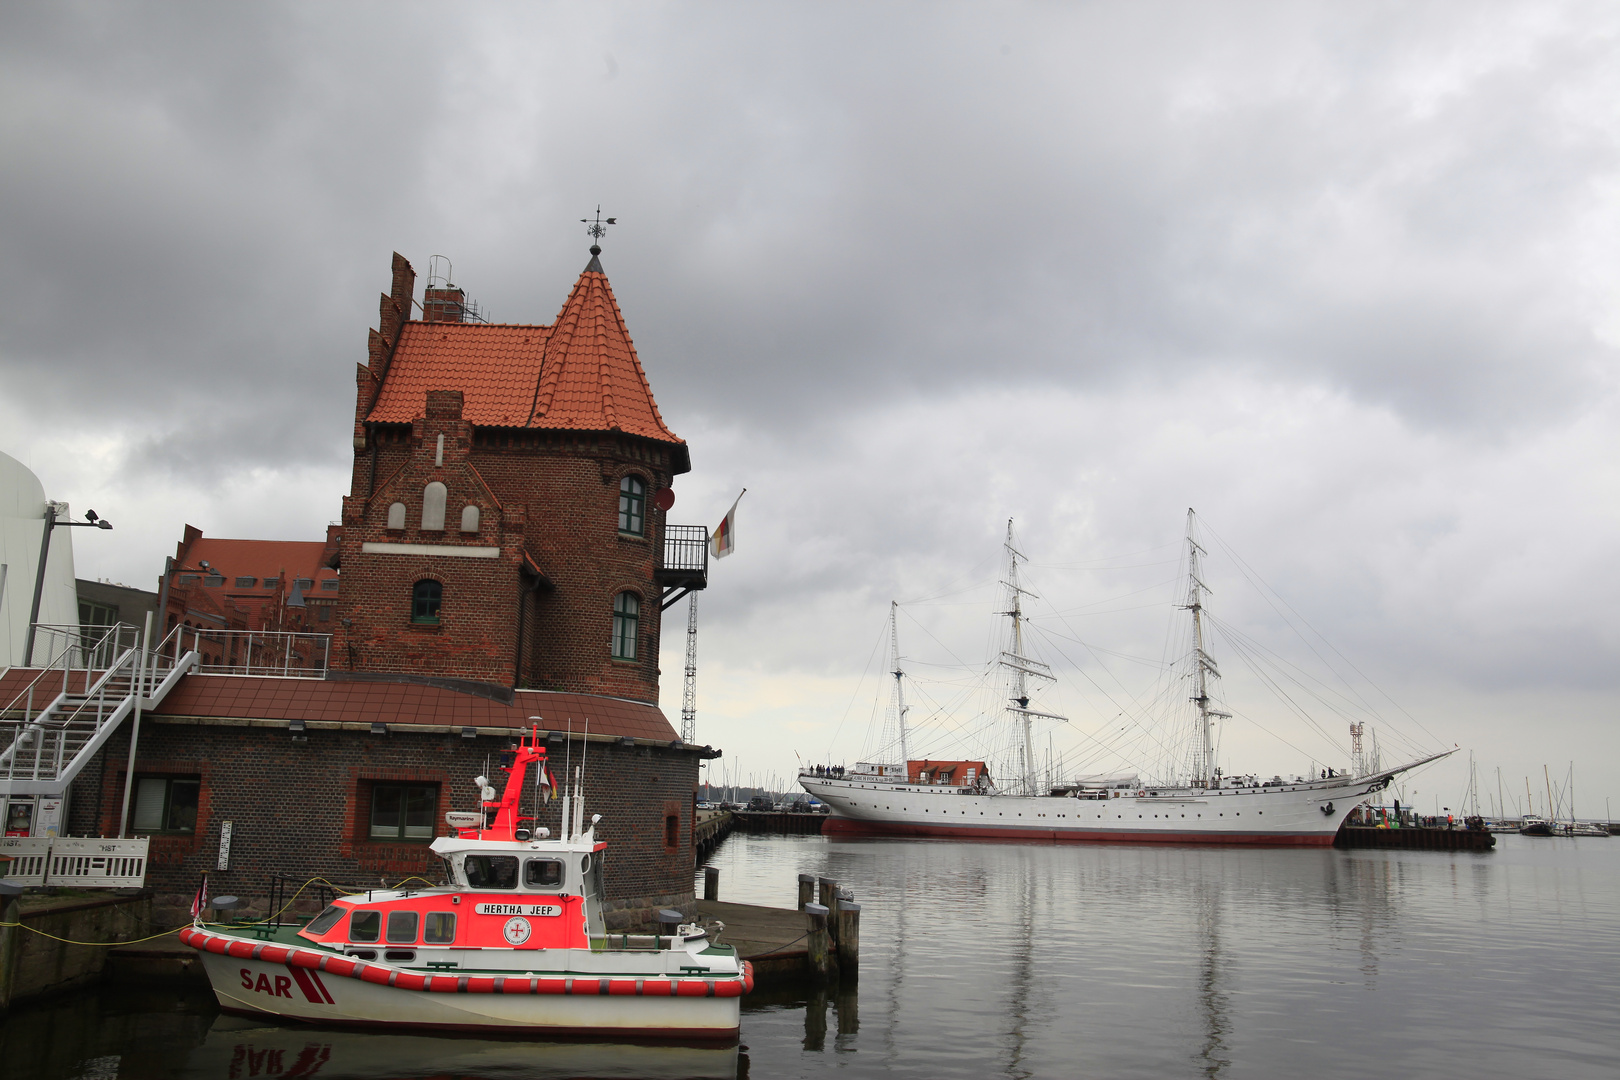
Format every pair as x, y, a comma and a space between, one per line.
91, 521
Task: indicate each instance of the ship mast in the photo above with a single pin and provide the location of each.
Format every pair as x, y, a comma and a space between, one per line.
1203, 664
1021, 666
899, 687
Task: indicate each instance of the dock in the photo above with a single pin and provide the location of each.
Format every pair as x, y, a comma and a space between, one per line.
712, 827
1414, 838
779, 823
774, 940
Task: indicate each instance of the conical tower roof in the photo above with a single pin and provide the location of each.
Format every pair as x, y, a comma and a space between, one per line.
579, 374
592, 378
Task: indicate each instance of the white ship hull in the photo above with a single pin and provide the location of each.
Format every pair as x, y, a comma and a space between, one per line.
1304, 814
255, 979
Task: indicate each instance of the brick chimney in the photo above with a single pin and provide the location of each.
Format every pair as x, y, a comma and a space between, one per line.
444, 303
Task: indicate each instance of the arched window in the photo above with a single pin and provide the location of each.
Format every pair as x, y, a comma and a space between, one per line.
426, 596
396, 516
632, 505
469, 519
433, 507
626, 620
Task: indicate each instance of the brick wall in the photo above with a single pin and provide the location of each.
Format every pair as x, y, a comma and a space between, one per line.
303, 809
550, 496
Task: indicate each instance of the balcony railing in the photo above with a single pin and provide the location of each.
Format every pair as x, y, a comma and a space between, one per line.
685, 563
686, 550
256, 652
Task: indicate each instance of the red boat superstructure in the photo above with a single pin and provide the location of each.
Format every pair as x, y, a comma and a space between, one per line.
514, 941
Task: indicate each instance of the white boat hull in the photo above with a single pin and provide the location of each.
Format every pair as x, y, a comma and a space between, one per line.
340, 993
1305, 814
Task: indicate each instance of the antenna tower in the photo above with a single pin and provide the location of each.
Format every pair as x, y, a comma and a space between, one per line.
689, 690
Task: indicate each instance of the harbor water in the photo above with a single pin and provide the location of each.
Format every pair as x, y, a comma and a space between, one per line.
1034, 960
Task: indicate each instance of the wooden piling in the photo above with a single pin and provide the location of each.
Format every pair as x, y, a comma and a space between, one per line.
828, 892
819, 942
711, 883
807, 889
849, 938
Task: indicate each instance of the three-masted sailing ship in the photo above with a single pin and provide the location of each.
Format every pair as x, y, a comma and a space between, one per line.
961, 798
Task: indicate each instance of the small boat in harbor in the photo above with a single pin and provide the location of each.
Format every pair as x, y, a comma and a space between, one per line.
513, 943
961, 799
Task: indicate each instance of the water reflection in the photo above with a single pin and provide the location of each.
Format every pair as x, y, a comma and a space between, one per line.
239, 1049
1043, 961
1212, 1002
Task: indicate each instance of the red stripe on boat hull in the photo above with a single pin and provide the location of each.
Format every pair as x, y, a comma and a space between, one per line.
843, 826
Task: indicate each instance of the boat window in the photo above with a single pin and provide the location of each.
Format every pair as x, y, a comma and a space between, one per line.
327, 919
402, 927
543, 873
365, 926
440, 928
491, 871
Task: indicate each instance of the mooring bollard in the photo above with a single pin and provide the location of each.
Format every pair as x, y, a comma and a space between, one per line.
849, 938
807, 890
828, 892
819, 941
711, 883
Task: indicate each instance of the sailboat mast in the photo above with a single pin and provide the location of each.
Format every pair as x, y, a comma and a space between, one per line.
1203, 665
899, 687
1020, 692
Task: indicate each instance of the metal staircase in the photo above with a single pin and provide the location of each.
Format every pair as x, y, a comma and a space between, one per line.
97, 675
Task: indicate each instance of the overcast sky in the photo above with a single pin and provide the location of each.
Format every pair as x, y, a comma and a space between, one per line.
1343, 277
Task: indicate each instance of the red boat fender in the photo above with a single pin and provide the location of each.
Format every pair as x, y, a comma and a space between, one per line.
624, 986
695, 988
441, 984
242, 950
410, 980
748, 977
372, 973
481, 984
551, 986
339, 965
517, 986
276, 954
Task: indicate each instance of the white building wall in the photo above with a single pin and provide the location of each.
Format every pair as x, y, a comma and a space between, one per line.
22, 523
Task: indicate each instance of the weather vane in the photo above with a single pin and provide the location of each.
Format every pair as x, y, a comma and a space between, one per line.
598, 228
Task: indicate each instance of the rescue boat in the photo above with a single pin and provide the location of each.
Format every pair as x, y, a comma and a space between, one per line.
514, 942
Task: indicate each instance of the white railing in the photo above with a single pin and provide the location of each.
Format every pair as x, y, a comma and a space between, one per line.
71, 653
251, 652
30, 858
88, 647
44, 750
74, 861
85, 863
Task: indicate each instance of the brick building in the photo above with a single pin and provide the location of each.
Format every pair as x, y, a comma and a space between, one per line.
501, 563
505, 522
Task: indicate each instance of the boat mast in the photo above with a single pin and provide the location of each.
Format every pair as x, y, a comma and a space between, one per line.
899, 688
1022, 668
1020, 675
1203, 665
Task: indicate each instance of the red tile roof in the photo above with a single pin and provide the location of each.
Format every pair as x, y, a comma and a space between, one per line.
258, 559
496, 368
580, 374
244, 697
